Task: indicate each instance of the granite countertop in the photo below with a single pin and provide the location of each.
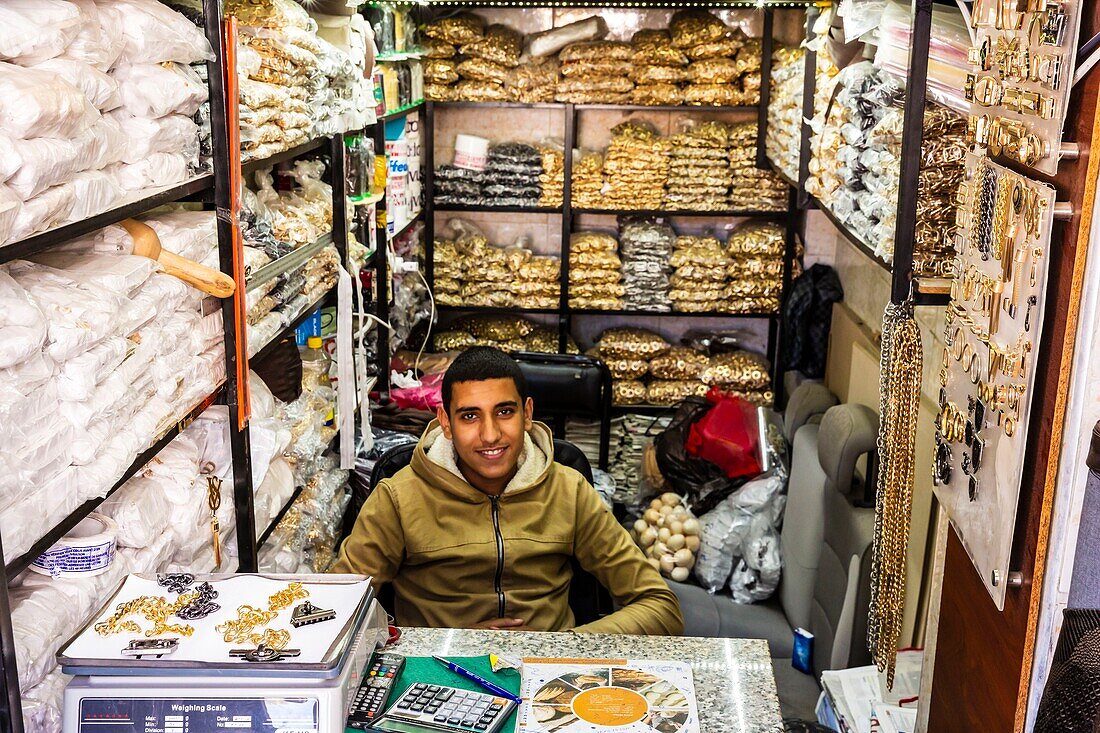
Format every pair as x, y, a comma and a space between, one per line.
734, 686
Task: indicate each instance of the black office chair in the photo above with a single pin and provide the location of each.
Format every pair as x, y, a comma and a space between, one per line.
587, 598
569, 385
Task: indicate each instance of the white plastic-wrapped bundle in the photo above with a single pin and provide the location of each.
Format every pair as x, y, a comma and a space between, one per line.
156, 90
150, 558
47, 209
41, 507
159, 169
40, 626
94, 192
123, 274
172, 133
35, 30
79, 376
36, 103
100, 88
80, 314
98, 41
22, 323
10, 206
41, 162
744, 519
42, 704
140, 509
153, 32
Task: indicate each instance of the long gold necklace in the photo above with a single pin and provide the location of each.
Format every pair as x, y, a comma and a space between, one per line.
900, 368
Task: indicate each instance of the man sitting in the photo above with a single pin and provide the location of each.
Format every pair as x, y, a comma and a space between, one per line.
478, 531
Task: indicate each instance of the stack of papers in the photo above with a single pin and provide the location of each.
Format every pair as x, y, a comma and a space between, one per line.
857, 701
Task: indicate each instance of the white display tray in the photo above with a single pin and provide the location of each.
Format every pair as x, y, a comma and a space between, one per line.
323, 645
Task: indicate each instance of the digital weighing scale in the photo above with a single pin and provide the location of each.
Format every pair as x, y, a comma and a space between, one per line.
199, 687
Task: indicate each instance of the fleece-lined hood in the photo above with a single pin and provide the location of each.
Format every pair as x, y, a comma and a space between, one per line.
435, 461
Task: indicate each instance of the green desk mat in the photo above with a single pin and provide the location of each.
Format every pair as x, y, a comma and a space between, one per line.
430, 672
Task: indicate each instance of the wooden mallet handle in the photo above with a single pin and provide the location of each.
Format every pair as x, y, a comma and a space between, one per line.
206, 279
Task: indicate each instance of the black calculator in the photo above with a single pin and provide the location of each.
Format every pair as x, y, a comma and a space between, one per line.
378, 679
435, 708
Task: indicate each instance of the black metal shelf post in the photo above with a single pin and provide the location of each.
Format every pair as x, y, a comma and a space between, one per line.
565, 322
227, 224
902, 284
809, 91
383, 282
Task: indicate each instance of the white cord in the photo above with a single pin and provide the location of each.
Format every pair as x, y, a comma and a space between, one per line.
431, 321
376, 319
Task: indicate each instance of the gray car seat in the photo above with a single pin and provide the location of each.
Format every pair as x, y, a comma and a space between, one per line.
826, 543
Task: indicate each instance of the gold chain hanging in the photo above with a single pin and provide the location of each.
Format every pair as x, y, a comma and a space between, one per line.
901, 366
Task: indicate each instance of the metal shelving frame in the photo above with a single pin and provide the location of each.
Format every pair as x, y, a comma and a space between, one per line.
571, 113
903, 284
214, 191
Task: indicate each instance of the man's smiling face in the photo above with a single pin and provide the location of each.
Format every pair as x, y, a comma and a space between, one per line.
487, 420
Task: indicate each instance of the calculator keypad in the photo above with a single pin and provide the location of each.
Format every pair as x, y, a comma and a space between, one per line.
447, 709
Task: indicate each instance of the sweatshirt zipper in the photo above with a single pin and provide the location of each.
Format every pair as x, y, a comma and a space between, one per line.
498, 581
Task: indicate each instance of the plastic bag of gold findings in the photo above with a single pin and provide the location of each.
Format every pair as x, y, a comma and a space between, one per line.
595, 68
482, 70
623, 367
436, 49
726, 46
595, 50
655, 47
714, 71
627, 392
441, 71
680, 362
457, 29
658, 74
593, 242
500, 44
438, 92
713, 95
626, 342
614, 85
738, 369
656, 94
498, 328
479, 91
693, 27
453, 340
671, 391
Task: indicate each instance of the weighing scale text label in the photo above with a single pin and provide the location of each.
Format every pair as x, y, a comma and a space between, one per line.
225, 715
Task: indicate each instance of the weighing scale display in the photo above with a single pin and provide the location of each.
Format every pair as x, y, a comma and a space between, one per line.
197, 715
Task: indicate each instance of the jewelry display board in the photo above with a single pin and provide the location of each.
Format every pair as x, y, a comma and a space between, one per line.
1022, 64
992, 331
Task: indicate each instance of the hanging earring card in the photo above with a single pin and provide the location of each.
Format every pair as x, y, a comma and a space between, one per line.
987, 373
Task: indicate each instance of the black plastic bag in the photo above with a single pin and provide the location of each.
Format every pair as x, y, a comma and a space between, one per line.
704, 483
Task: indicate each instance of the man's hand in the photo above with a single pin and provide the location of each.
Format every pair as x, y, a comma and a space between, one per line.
502, 624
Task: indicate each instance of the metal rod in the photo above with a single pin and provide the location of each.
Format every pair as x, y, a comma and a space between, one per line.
564, 321
338, 167
765, 89
1063, 210
1069, 151
911, 145
428, 177
775, 326
11, 702
238, 438
809, 91
382, 281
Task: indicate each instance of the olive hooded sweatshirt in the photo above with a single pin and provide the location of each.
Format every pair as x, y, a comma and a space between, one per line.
457, 557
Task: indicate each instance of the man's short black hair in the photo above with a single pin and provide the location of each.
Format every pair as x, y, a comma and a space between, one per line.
479, 363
